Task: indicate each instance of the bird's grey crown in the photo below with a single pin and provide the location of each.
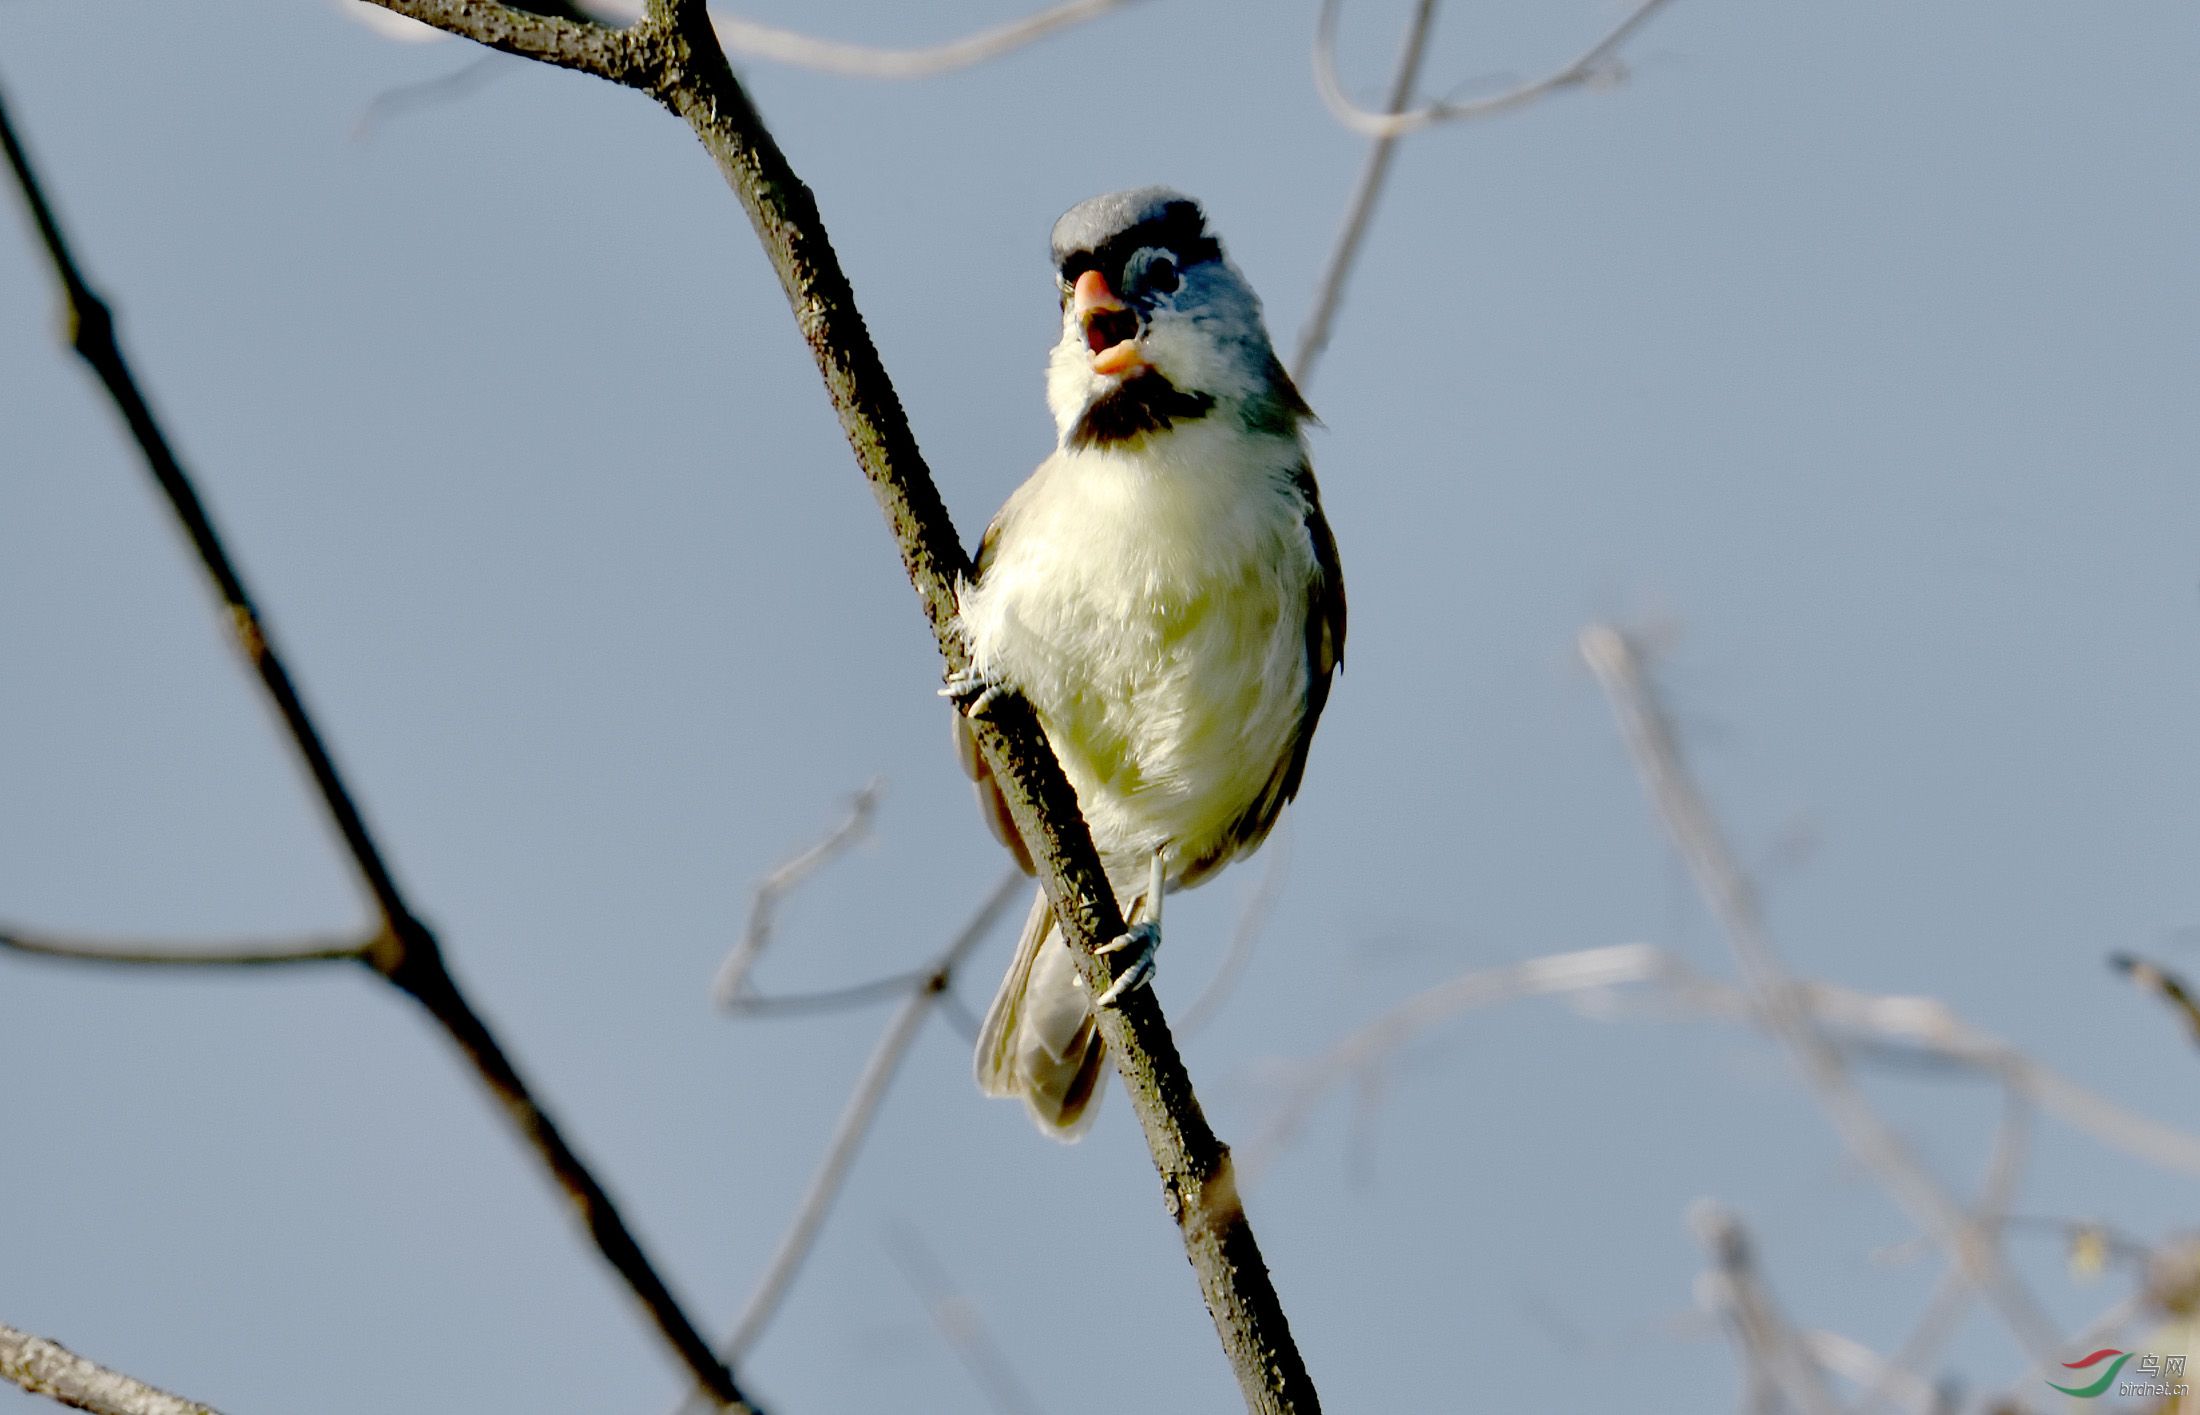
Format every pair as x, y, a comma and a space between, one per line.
1101, 231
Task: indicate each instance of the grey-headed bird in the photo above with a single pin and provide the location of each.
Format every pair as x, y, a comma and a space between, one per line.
1165, 593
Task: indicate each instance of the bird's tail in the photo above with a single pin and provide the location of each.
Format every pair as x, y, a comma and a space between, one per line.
1039, 1040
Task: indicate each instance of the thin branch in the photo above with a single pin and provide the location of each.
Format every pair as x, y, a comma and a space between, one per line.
1251, 918
1852, 1360
1927, 1025
2105, 1327
1696, 834
146, 953
2163, 984
956, 1317
1355, 1057
730, 989
1360, 209
959, 1015
1905, 1371
857, 1116
1771, 1351
1919, 1028
406, 952
846, 998
2088, 1240
47, 1368
1594, 65
425, 93
863, 61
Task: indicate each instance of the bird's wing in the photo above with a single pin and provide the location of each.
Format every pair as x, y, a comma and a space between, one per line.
1325, 619
991, 804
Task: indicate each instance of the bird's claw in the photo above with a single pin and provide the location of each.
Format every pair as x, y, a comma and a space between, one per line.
972, 692
1141, 942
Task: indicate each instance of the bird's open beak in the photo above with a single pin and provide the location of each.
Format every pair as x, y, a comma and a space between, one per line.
1111, 330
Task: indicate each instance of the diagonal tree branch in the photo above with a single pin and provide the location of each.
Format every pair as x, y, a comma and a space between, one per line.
50, 1369
404, 951
681, 64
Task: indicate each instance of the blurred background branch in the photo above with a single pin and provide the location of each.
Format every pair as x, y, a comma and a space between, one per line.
731, 989
1732, 900
165, 953
857, 1117
1595, 65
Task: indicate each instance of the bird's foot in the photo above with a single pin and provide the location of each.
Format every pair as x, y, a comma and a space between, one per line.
973, 693
1141, 941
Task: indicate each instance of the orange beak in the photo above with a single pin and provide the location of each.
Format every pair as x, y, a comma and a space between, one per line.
1110, 329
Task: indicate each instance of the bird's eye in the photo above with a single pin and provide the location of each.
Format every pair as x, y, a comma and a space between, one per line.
1161, 277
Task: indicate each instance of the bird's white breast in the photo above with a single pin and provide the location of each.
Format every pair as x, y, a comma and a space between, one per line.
1151, 604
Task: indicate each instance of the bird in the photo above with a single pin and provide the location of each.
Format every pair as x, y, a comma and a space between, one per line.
1164, 591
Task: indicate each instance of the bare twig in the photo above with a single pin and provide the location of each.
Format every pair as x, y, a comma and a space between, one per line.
405, 951
730, 990
1920, 1028
1251, 917
1356, 1056
1594, 65
1905, 1371
2105, 1327
959, 1324
1695, 832
1852, 1360
47, 1368
2079, 1235
1772, 1354
863, 61
423, 93
2163, 984
1927, 1026
845, 998
958, 1015
147, 953
855, 1120
1360, 209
